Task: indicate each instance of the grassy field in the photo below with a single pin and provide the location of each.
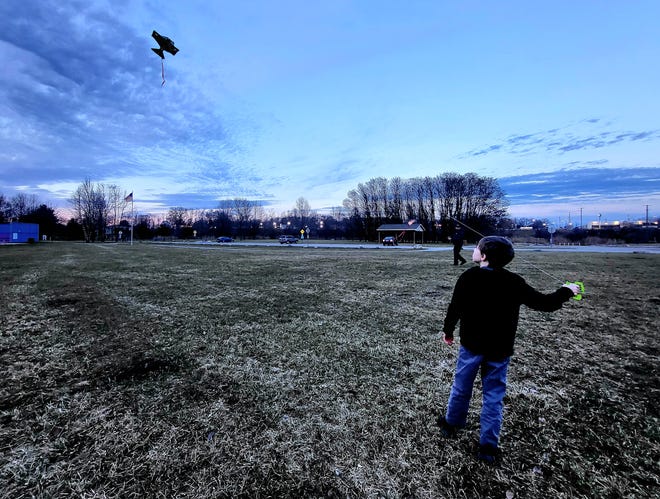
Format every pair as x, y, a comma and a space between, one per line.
160, 371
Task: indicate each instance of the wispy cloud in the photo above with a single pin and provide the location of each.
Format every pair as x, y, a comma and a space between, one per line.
564, 140
582, 183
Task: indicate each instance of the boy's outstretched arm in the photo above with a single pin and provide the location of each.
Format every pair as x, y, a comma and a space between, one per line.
551, 301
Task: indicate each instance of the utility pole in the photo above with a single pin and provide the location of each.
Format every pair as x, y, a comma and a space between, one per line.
647, 215
580, 218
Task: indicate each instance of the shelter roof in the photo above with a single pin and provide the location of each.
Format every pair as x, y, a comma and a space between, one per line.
401, 227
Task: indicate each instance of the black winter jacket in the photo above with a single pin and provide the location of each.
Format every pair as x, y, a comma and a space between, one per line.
487, 303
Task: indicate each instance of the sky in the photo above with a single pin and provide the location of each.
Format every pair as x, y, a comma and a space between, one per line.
273, 101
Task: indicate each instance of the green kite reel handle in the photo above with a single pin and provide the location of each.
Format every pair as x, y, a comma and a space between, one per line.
581, 285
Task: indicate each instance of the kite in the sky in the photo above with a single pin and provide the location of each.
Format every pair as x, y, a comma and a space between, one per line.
165, 45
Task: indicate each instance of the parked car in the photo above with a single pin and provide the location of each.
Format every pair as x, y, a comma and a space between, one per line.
288, 239
225, 239
390, 241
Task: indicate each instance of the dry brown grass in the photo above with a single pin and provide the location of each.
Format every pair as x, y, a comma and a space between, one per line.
152, 371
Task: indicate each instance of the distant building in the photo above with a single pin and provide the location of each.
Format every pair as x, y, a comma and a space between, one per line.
638, 224
18, 232
604, 225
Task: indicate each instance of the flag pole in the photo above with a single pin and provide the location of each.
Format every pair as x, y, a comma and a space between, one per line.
126, 200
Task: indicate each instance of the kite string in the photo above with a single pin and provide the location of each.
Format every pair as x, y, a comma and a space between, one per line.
519, 257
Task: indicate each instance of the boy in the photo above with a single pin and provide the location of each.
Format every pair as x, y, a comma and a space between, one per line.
487, 301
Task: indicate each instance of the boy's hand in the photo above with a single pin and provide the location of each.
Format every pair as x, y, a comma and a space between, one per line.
573, 287
447, 340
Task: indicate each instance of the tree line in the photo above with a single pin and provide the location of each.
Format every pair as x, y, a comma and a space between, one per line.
435, 202
101, 212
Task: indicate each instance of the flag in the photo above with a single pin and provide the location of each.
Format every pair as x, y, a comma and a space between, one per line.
129, 198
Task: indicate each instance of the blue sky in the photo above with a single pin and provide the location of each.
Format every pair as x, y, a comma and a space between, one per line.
271, 101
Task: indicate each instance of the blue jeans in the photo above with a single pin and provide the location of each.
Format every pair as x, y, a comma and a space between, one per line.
493, 380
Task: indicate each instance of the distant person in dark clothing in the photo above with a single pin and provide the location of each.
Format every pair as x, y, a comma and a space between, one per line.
457, 241
486, 302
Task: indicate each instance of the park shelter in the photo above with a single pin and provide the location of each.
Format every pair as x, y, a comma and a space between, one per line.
400, 231
18, 232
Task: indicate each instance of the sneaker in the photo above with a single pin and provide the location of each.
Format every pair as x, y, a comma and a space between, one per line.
488, 454
447, 430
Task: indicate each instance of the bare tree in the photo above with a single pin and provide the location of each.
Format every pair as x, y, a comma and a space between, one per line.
378, 194
259, 212
243, 213
4, 208
394, 207
117, 204
178, 217
22, 204
409, 206
352, 203
90, 207
366, 209
302, 211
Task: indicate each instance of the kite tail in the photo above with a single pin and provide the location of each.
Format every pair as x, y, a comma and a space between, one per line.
162, 72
